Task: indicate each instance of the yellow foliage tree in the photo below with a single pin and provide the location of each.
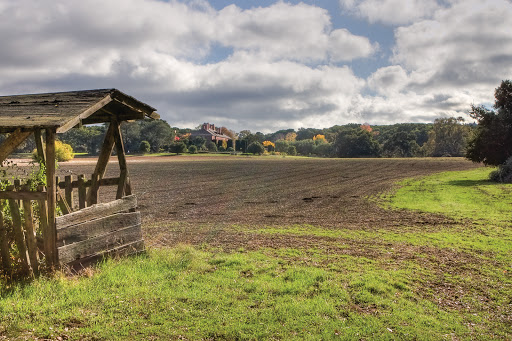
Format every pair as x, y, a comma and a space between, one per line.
319, 138
63, 152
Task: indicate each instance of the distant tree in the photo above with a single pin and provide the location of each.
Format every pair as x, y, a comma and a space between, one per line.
491, 142
144, 147
305, 147
400, 144
157, 132
256, 148
198, 141
356, 143
178, 147
291, 136
282, 146
447, 137
324, 149
85, 139
307, 133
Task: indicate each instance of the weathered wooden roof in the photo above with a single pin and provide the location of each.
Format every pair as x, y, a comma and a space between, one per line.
64, 110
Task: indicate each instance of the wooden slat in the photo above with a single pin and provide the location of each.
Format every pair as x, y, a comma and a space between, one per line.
97, 211
82, 192
102, 182
23, 195
11, 142
51, 237
38, 137
19, 236
75, 251
125, 250
30, 235
101, 165
97, 227
4, 245
68, 180
86, 113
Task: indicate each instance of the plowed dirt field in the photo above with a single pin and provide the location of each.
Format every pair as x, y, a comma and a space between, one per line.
199, 192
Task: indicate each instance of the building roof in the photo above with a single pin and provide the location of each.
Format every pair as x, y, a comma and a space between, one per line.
64, 110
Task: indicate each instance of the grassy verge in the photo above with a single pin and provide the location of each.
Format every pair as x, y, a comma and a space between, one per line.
438, 282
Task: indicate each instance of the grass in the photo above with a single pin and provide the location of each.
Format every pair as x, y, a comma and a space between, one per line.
449, 281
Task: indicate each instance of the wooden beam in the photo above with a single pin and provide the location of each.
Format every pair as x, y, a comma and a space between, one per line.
23, 195
39, 146
88, 112
101, 166
11, 142
51, 237
124, 183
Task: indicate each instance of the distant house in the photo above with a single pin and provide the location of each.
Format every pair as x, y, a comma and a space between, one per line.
210, 133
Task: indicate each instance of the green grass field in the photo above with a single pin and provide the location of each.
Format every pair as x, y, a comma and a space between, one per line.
451, 280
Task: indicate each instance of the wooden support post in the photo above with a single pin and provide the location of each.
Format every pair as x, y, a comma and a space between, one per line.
4, 245
39, 146
51, 238
82, 192
68, 180
101, 166
19, 236
11, 142
30, 235
124, 186
17, 187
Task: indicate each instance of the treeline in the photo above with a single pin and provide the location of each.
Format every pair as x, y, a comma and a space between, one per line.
444, 137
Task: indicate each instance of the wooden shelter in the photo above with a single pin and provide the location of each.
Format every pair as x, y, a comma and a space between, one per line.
94, 230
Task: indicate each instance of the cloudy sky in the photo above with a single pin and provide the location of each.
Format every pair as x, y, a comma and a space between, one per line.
264, 65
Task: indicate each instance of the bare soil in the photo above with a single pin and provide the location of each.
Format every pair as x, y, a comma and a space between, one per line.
271, 191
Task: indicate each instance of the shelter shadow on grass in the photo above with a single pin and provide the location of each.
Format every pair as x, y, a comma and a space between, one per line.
470, 183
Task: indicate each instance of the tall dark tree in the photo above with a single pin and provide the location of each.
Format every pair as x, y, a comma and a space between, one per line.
491, 142
400, 144
356, 143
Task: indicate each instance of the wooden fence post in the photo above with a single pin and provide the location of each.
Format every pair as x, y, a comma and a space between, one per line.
82, 192
4, 245
51, 191
43, 225
69, 191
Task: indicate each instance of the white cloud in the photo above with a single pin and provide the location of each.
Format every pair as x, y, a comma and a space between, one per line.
394, 12
344, 46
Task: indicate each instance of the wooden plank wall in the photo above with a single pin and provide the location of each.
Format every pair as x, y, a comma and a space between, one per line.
90, 234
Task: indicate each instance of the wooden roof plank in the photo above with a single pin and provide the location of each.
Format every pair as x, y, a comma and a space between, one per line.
64, 110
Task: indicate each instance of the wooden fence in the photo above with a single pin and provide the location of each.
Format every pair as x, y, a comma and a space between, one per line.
85, 232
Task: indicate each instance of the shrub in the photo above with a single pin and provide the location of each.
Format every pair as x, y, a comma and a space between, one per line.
503, 173
230, 149
144, 147
63, 152
178, 147
212, 147
256, 148
192, 149
291, 150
